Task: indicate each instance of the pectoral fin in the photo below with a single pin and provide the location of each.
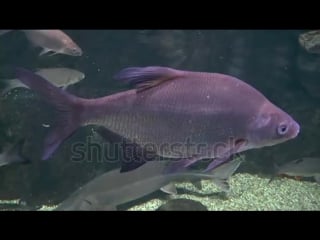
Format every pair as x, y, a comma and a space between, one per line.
170, 189
227, 156
222, 184
44, 51
134, 155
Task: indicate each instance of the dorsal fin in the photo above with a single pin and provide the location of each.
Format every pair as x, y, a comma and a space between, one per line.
147, 77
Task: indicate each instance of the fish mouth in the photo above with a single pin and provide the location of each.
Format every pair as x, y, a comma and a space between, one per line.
296, 128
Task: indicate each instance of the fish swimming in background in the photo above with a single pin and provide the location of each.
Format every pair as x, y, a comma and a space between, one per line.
310, 41
114, 188
13, 154
220, 176
60, 77
181, 115
302, 167
55, 41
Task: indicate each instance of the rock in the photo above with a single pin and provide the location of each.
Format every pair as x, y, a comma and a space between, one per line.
182, 205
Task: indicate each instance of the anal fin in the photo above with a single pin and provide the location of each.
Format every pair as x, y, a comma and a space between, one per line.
170, 189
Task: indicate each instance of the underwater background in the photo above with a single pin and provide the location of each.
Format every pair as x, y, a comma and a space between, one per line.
272, 61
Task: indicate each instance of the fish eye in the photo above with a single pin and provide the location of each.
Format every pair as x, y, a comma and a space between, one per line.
282, 129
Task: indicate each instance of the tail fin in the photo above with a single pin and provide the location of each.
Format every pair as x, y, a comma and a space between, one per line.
69, 109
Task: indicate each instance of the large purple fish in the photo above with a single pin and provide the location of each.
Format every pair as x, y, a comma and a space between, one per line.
177, 114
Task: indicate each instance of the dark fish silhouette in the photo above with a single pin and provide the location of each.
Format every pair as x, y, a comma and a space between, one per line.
51, 40
302, 167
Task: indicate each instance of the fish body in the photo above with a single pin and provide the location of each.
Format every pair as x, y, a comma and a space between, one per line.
60, 77
310, 41
113, 188
53, 40
302, 167
178, 114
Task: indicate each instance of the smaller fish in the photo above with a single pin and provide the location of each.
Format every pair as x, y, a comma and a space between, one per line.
113, 188
302, 167
60, 77
310, 41
13, 154
55, 41
220, 176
